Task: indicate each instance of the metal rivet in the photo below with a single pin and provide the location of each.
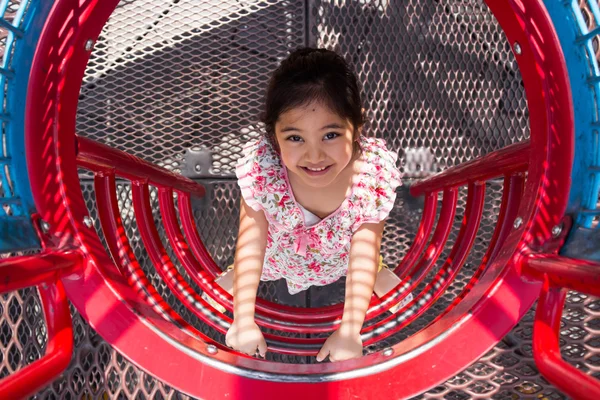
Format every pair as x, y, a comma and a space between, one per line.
556, 230
388, 352
198, 168
517, 48
45, 226
518, 223
212, 349
87, 221
89, 45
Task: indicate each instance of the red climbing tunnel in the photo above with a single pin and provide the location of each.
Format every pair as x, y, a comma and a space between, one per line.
92, 262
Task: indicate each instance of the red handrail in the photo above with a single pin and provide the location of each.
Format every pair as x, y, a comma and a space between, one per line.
560, 274
446, 274
43, 271
506, 161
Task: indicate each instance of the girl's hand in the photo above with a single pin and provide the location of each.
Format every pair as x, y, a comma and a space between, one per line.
246, 338
341, 346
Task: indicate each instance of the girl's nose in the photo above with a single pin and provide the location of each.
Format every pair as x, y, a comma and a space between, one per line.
315, 154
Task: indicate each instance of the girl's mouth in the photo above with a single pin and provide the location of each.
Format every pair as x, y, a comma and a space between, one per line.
316, 171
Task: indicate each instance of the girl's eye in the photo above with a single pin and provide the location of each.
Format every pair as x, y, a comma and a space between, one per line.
331, 135
294, 138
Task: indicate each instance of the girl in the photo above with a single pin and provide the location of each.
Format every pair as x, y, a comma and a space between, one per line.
315, 194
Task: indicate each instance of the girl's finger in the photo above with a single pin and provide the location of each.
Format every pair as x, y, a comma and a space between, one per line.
262, 349
323, 353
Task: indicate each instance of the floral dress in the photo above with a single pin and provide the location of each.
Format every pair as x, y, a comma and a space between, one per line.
304, 254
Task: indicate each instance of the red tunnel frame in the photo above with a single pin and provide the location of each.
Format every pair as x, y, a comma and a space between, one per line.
105, 299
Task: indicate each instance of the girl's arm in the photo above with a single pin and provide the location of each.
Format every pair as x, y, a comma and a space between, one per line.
244, 335
346, 343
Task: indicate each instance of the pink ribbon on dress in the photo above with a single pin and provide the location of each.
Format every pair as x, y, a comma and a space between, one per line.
301, 243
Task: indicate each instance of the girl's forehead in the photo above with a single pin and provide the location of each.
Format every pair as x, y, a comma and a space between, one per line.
308, 113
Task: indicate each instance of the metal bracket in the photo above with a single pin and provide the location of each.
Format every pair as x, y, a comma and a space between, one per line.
197, 164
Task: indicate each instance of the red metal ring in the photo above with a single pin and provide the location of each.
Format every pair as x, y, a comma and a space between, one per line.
102, 296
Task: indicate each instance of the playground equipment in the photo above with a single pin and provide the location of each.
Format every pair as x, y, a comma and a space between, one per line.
549, 205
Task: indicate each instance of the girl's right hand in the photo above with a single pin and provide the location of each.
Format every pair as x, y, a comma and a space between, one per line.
246, 338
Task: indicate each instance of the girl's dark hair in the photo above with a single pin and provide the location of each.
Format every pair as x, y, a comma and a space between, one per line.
308, 75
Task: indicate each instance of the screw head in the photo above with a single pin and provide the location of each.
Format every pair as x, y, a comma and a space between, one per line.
556, 231
89, 45
198, 168
45, 226
87, 221
518, 222
517, 48
388, 352
212, 349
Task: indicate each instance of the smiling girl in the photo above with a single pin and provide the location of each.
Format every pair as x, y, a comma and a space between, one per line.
315, 196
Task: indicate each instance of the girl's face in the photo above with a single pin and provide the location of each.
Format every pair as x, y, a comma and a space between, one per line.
315, 144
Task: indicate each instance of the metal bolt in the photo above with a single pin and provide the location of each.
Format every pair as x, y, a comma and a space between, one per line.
517, 48
212, 349
45, 226
518, 222
198, 168
87, 221
388, 352
89, 45
556, 231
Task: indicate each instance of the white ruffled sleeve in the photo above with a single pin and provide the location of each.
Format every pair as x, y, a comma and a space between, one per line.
257, 171
380, 178
249, 175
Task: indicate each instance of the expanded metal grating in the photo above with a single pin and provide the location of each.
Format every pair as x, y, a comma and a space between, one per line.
183, 75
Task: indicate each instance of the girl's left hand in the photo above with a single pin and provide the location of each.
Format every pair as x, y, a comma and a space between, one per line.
341, 346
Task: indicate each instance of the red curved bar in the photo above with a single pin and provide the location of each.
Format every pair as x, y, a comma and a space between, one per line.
179, 286
191, 233
580, 275
47, 267
506, 161
124, 257
431, 255
100, 157
59, 348
445, 275
546, 344
182, 250
511, 198
423, 232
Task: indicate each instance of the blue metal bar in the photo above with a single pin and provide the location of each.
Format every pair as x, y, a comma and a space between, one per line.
14, 200
7, 73
588, 35
593, 79
10, 27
